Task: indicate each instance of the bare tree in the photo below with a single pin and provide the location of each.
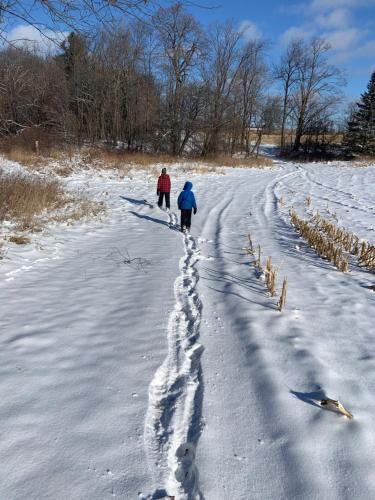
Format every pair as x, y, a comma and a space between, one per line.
181, 43
317, 80
32, 92
220, 73
251, 76
50, 16
286, 73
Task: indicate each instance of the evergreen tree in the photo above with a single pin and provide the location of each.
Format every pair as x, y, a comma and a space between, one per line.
360, 135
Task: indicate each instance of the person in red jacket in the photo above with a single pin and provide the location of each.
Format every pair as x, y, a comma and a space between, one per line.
164, 189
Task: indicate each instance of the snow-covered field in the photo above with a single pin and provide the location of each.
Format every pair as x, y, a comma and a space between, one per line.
137, 362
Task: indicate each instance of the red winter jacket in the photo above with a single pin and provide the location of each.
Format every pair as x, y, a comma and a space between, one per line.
164, 184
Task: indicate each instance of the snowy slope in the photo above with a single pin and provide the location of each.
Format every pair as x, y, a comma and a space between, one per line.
137, 362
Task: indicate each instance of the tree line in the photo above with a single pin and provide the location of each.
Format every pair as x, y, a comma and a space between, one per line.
169, 85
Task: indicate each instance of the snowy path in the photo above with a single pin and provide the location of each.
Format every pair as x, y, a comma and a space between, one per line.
175, 374
173, 418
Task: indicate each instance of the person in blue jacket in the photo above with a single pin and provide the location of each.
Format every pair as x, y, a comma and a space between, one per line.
186, 203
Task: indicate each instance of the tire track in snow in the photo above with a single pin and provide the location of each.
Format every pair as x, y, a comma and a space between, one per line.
353, 203
172, 426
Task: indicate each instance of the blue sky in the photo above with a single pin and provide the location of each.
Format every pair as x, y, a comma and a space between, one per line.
349, 25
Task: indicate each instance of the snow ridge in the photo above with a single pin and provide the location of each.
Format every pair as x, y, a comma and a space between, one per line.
172, 425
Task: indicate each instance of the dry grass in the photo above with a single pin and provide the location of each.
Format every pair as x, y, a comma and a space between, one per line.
30, 225
19, 239
364, 161
201, 168
120, 160
22, 197
289, 138
64, 170
230, 161
33, 160
274, 139
24, 157
31, 203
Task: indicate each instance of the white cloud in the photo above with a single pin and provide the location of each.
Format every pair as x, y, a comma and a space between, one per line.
296, 32
332, 20
250, 30
30, 37
338, 18
343, 24
343, 39
326, 5
359, 53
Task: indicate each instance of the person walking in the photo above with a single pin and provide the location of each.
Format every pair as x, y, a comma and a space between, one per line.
186, 203
164, 189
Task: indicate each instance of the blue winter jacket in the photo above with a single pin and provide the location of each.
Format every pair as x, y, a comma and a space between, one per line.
186, 200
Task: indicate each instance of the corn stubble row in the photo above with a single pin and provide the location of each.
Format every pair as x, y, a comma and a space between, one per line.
319, 242
330, 242
364, 251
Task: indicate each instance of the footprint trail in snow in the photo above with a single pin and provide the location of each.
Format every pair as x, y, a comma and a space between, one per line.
172, 425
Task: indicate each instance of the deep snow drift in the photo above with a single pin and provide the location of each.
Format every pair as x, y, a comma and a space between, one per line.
138, 362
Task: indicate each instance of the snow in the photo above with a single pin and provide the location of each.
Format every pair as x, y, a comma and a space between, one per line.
138, 362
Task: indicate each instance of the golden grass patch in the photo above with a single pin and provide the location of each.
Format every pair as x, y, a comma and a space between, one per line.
33, 160
32, 202
22, 197
250, 162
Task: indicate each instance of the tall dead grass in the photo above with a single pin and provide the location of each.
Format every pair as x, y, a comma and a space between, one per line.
103, 158
118, 159
31, 202
22, 197
230, 161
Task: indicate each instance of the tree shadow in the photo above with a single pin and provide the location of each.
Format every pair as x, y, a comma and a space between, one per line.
137, 202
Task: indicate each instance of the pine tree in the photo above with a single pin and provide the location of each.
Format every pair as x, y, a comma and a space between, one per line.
360, 135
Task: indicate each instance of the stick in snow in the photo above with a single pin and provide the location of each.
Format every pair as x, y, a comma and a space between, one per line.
334, 405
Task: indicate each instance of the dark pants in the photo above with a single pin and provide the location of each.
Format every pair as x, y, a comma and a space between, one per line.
185, 219
167, 200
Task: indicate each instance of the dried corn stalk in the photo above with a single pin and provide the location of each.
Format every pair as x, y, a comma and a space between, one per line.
336, 406
282, 300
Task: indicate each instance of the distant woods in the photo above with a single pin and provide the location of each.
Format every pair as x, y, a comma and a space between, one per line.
170, 86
